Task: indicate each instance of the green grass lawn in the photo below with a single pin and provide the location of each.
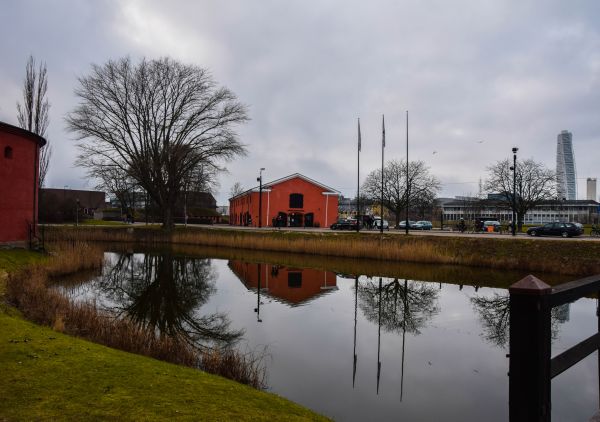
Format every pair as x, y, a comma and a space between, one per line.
101, 223
50, 376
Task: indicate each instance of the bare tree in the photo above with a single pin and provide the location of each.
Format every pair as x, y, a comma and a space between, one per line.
33, 114
116, 181
422, 186
236, 189
534, 184
158, 121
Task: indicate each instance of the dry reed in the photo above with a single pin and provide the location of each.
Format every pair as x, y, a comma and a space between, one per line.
549, 256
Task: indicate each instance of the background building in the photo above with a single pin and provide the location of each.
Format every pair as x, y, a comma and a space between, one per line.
62, 205
566, 173
471, 209
19, 181
591, 189
292, 201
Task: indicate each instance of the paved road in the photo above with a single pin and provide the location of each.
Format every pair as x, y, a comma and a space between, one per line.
444, 233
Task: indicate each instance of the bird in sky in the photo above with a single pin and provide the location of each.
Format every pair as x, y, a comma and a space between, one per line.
480, 142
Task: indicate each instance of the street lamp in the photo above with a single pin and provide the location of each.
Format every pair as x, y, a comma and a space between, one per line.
514, 194
77, 212
259, 180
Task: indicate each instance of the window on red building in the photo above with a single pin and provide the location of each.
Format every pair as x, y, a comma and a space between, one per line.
8, 152
296, 200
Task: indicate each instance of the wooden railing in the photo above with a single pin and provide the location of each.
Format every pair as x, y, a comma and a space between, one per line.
531, 366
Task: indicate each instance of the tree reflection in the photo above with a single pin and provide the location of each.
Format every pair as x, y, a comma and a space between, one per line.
494, 314
164, 292
400, 305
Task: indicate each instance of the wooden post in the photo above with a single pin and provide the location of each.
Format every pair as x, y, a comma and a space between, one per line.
529, 365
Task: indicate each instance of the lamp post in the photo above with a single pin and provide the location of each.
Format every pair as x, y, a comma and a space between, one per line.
514, 193
77, 212
259, 180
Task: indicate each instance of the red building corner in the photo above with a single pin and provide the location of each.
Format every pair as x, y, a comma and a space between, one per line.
19, 181
292, 201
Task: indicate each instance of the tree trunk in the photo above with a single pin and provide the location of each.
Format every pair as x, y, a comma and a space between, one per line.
167, 213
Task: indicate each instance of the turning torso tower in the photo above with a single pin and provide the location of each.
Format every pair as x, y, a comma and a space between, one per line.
566, 175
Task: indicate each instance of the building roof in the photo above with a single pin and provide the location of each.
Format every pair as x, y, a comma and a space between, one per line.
285, 179
5, 127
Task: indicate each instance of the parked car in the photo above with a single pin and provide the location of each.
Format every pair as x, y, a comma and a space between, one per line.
402, 224
555, 229
492, 223
377, 224
344, 224
422, 225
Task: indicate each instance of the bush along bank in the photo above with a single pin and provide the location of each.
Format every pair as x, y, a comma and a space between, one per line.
547, 256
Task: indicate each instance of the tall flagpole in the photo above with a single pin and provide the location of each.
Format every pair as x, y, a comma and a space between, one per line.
407, 184
382, 149
358, 182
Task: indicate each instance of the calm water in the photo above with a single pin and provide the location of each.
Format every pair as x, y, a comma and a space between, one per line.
395, 347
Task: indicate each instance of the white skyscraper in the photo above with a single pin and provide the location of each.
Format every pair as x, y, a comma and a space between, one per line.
566, 174
591, 189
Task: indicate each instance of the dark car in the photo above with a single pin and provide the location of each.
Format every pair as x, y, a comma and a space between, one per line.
555, 229
344, 224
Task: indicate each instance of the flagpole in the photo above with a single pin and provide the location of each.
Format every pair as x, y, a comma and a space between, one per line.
358, 182
382, 149
407, 188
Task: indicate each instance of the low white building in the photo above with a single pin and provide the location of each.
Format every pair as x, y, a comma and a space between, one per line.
581, 211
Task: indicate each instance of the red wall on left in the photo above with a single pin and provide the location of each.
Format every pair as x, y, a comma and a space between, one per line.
18, 186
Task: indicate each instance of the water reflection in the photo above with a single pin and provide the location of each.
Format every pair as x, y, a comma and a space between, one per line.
399, 305
292, 286
426, 336
164, 292
494, 315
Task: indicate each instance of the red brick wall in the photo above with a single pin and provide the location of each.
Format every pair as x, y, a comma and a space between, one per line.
324, 207
16, 186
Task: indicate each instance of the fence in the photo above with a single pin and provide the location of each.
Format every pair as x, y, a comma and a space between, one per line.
531, 366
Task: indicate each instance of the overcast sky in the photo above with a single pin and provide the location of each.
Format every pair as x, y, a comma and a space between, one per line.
477, 77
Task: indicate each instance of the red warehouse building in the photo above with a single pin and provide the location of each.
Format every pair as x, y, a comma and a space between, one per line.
293, 201
19, 177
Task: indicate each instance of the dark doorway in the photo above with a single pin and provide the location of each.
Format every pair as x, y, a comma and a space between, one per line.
295, 279
295, 220
280, 220
309, 220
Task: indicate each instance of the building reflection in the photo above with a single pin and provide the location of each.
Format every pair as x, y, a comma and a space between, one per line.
292, 286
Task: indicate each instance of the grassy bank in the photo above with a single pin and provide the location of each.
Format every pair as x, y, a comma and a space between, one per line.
548, 256
49, 375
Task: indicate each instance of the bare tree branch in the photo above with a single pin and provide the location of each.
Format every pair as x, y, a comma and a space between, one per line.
33, 114
534, 184
166, 124
422, 186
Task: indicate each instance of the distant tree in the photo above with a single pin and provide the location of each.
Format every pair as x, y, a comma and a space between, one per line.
422, 186
33, 114
534, 184
116, 182
236, 189
158, 121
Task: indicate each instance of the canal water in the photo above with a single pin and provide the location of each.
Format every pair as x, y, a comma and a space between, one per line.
352, 340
